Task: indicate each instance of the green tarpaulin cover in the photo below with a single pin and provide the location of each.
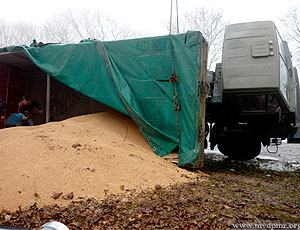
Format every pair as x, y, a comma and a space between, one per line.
132, 76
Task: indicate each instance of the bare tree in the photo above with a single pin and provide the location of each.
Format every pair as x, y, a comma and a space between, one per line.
68, 26
96, 25
5, 33
117, 31
64, 27
24, 33
174, 27
17, 33
291, 27
212, 25
88, 24
59, 29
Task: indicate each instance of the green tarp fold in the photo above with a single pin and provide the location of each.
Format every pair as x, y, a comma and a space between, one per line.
132, 76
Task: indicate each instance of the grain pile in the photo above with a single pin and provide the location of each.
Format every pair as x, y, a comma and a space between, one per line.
84, 156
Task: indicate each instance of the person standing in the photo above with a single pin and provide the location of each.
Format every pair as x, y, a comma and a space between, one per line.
1, 109
25, 109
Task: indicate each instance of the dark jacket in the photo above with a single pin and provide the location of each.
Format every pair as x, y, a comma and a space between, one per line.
28, 109
25, 109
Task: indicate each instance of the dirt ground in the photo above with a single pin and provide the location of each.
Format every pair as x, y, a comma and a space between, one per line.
87, 156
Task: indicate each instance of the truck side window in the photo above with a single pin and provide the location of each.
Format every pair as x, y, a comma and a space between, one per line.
253, 103
283, 68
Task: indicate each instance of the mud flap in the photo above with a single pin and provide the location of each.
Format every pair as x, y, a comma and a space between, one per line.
294, 138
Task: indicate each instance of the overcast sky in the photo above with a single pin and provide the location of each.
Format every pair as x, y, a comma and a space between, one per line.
147, 16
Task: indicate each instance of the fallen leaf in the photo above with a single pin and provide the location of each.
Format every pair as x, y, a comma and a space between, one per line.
56, 195
37, 195
157, 186
76, 145
70, 196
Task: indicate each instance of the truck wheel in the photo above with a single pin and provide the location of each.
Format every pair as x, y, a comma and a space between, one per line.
240, 146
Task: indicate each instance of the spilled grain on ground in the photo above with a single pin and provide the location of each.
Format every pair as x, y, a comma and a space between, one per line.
87, 156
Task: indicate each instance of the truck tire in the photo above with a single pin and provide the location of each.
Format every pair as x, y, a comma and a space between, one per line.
240, 146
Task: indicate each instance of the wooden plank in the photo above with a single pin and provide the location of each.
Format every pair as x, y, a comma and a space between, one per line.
203, 90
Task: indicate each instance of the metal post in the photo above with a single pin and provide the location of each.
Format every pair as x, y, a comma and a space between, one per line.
6, 99
48, 99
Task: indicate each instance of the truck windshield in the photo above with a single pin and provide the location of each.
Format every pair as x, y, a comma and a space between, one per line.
283, 68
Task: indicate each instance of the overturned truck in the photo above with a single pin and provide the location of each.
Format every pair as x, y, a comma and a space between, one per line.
156, 81
162, 84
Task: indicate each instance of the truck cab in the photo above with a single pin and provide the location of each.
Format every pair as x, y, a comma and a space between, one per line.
254, 92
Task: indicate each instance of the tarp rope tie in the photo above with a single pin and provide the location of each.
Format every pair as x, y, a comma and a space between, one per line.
174, 78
